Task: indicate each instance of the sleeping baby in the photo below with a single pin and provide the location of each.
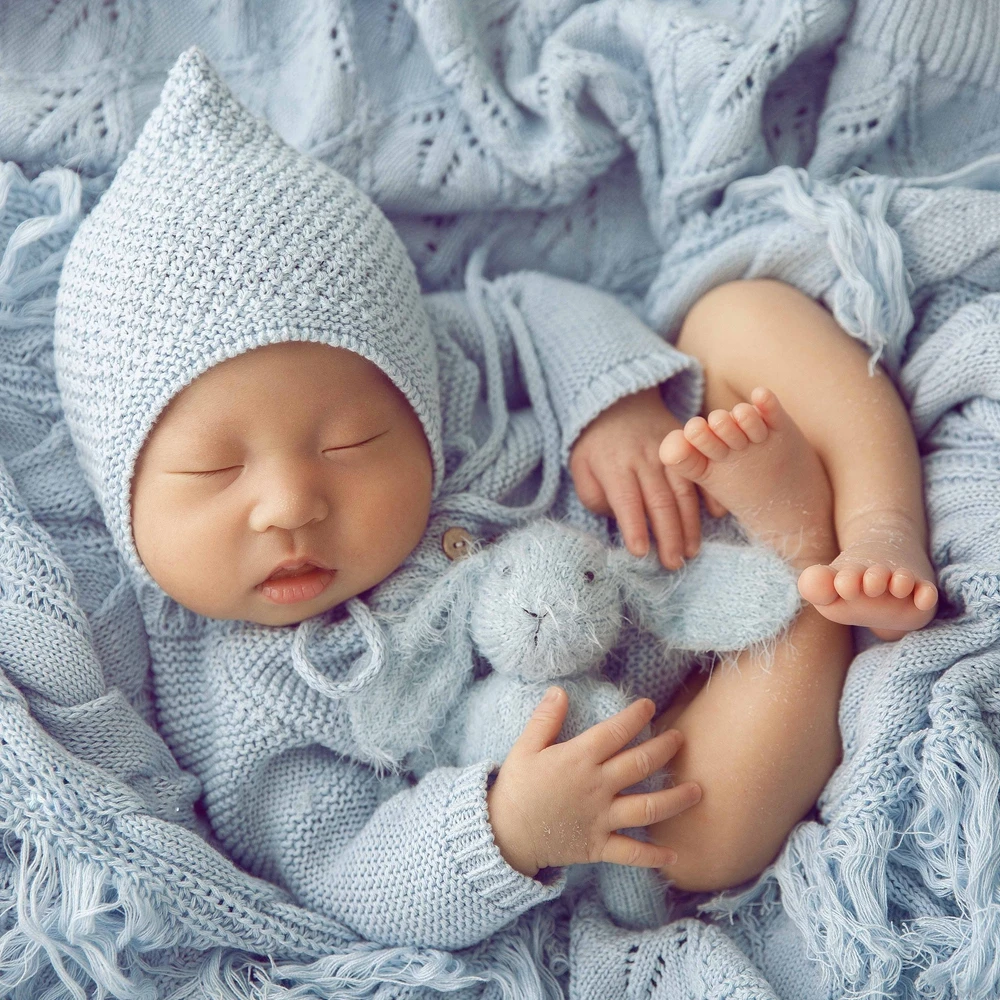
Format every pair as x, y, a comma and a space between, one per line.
288, 440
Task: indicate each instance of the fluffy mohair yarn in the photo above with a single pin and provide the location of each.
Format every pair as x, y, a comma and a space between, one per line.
547, 607
214, 238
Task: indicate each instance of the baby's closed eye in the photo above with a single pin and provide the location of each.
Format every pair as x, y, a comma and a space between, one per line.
213, 472
356, 444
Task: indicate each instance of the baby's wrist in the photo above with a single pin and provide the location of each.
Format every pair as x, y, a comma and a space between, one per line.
507, 840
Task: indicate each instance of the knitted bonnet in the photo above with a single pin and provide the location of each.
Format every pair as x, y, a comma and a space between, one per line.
214, 238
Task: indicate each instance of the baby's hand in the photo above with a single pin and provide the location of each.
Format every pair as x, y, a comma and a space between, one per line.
560, 804
616, 468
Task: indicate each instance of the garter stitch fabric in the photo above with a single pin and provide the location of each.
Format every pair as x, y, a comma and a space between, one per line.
214, 238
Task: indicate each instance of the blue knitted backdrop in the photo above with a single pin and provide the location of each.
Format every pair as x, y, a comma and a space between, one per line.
652, 148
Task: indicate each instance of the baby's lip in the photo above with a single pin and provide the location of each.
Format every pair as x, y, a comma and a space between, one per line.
294, 567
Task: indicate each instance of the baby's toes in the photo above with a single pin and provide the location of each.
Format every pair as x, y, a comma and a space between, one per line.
751, 422
697, 431
902, 583
727, 430
875, 580
816, 585
848, 582
925, 595
769, 407
678, 453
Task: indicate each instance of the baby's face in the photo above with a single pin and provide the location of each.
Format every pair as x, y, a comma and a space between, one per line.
289, 454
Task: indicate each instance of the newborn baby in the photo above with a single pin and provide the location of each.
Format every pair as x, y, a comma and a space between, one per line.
282, 431
284, 437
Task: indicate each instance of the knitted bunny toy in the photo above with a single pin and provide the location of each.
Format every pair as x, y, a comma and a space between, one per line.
545, 604
547, 607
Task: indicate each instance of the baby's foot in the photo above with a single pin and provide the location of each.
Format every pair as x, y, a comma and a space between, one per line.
757, 463
882, 578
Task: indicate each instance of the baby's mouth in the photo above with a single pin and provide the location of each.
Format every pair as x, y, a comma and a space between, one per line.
297, 570
300, 581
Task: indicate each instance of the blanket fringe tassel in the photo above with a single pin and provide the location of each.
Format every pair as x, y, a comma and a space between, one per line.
70, 930
937, 859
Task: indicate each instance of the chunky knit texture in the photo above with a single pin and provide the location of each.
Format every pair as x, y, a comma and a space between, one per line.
279, 247
621, 128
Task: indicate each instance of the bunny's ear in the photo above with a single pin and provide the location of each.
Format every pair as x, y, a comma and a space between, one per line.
429, 663
727, 597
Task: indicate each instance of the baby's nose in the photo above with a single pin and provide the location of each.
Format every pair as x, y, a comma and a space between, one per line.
288, 499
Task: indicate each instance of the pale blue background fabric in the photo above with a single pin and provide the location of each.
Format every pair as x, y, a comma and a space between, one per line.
606, 143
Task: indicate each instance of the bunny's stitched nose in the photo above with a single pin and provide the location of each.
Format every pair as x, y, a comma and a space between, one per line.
533, 614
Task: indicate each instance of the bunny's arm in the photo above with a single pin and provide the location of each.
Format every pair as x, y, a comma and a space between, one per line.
594, 351
725, 598
499, 707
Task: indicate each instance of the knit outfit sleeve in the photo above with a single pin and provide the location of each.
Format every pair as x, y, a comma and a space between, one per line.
399, 863
594, 351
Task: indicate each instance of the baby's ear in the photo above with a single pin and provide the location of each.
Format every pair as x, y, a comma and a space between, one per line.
727, 597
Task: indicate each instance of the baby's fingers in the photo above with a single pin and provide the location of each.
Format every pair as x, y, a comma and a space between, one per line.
622, 850
686, 494
608, 737
637, 763
542, 729
626, 502
589, 488
664, 516
646, 808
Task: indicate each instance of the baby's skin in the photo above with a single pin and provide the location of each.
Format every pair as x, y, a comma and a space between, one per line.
740, 457
763, 738
244, 507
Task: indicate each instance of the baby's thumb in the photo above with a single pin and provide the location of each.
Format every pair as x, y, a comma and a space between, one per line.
542, 729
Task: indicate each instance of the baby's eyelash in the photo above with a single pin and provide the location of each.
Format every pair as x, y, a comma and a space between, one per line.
215, 472
357, 444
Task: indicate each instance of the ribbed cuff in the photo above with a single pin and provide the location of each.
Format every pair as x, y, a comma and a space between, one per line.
679, 376
476, 855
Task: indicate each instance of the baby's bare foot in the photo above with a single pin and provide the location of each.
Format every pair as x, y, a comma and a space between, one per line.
756, 462
882, 577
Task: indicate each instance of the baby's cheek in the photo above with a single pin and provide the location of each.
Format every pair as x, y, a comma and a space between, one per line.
392, 513
192, 553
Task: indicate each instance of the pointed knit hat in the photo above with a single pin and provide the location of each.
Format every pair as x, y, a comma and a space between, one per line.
214, 238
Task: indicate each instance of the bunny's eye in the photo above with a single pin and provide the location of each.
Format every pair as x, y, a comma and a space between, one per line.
505, 571
589, 576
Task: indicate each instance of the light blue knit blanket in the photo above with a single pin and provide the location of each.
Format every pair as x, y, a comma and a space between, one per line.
652, 149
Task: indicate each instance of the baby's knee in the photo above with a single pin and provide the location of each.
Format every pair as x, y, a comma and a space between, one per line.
731, 307
719, 861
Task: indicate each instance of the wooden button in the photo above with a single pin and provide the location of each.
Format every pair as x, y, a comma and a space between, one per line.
457, 543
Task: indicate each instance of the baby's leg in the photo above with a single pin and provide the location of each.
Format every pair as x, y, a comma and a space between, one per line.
761, 332
761, 739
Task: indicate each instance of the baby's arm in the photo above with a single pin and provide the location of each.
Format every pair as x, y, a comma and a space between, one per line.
617, 389
428, 864
399, 863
